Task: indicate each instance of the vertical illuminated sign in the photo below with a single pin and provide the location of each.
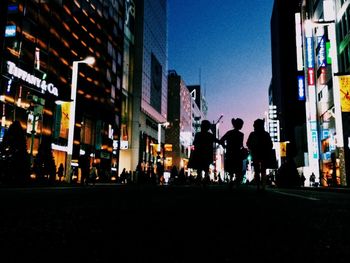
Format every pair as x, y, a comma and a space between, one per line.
301, 88
329, 58
299, 42
310, 52
310, 61
311, 76
322, 56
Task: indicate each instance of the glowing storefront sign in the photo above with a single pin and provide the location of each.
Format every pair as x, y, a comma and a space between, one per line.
19, 73
322, 55
323, 76
10, 31
344, 85
299, 42
301, 88
311, 77
310, 52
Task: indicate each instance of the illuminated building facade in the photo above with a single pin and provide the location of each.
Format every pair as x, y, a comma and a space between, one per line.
40, 43
128, 92
150, 89
180, 134
326, 57
288, 121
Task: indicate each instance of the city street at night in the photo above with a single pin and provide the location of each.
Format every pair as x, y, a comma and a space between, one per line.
128, 223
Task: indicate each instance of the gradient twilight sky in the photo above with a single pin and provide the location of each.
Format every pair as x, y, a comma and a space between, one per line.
227, 43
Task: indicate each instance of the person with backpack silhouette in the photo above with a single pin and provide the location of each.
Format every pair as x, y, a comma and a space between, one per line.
202, 156
260, 145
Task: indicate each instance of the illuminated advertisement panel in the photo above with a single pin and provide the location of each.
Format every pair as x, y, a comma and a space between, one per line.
310, 52
10, 31
344, 84
301, 88
310, 76
322, 54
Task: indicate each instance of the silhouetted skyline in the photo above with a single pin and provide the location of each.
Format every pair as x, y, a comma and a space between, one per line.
224, 46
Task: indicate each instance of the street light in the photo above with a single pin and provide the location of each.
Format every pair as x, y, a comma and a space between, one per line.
73, 96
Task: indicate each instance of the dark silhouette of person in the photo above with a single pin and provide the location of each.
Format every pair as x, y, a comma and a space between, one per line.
174, 174
312, 179
84, 164
182, 176
233, 143
160, 171
123, 176
60, 172
203, 151
260, 144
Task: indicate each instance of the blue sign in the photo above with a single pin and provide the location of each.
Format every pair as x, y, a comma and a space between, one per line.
322, 55
10, 31
310, 52
2, 133
12, 9
301, 88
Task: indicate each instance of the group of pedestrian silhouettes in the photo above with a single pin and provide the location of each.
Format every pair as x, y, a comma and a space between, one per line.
259, 145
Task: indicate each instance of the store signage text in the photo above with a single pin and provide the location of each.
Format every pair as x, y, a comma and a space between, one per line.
310, 52
301, 88
17, 72
311, 77
322, 56
10, 31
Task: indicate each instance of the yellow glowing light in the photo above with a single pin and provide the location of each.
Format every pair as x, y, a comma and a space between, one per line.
74, 53
76, 20
66, 26
13, 52
67, 9
75, 36
64, 61
63, 80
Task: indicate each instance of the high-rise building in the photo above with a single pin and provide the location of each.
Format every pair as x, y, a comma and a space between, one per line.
128, 122
180, 134
149, 109
42, 40
284, 94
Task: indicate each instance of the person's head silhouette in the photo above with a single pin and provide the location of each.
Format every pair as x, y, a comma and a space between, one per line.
258, 125
238, 123
205, 125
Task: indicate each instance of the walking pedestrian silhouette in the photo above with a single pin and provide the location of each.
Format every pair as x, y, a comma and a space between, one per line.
233, 143
60, 172
202, 155
260, 144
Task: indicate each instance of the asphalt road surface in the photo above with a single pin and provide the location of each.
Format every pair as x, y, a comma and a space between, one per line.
173, 224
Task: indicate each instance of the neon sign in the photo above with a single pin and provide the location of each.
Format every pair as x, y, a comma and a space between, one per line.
311, 76
322, 56
41, 84
10, 31
310, 52
301, 88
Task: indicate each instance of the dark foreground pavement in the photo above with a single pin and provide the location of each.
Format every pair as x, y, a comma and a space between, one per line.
172, 224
